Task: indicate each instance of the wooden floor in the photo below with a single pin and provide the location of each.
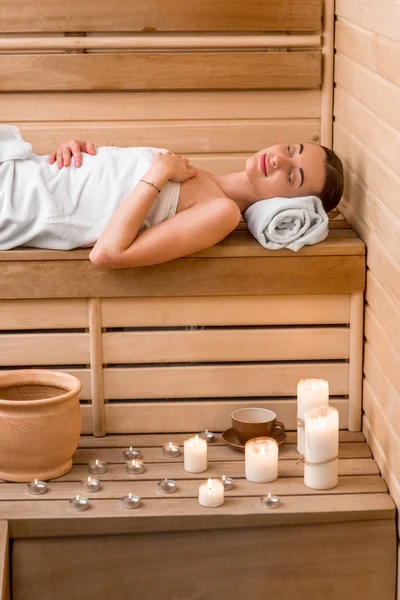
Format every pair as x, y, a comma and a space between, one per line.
352, 526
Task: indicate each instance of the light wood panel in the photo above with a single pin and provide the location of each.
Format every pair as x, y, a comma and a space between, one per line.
378, 16
384, 350
160, 71
157, 106
44, 349
387, 395
382, 304
375, 52
209, 15
4, 562
239, 310
226, 345
43, 314
375, 92
213, 414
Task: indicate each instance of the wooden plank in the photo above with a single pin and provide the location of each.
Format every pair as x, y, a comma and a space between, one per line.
276, 379
209, 15
192, 138
49, 518
379, 54
4, 562
184, 277
220, 311
356, 360
37, 109
381, 303
43, 314
372, 130
96, 367
386, 353
367, 551
150, 440
28, 349
289, 486
379, 16
214, 453
324, 343
371, 89
160, 71
375, 174
181, 416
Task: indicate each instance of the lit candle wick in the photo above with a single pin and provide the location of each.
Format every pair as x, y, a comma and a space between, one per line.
131, 448
89, 479
36, 481
269, 496
206, 431
130, 496
97, 462
210, 485
223, 478
166, 481
170, 445
133, 463
78, 498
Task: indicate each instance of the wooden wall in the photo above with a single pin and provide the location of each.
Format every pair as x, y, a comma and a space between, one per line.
367, 137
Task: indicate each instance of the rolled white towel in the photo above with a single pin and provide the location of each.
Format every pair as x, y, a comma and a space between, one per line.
287, 222
12, 146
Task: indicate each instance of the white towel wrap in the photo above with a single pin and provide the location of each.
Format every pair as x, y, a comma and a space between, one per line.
287, 222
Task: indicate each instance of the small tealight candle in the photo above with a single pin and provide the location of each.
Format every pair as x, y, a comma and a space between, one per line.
209, 436
131, 453
166, 486
90, 485
36, 488
130, 501
270, 501
171, 450
311, 393
321, 463
195, 455
98, 467
136, 467
227, 483
79, 503
211, 493
261, 460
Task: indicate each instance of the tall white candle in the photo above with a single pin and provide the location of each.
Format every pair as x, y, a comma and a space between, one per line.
311, 393
321, 464
195, 455
261, 460
211, 493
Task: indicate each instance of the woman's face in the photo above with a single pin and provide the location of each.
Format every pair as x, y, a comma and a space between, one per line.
287, 170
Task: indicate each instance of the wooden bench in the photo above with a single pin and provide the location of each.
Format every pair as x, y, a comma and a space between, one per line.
338, 543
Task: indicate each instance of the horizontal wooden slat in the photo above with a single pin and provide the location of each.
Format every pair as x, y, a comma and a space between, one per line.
220, 380
387, 354
151, 440
375, 52
382, 388
379, 16
185, 277
239, 310
374, 91
160, 71
289, 486
185, 137
44, 349
381, 303
43, 314
382, 138
37, 108
208, 15
214, 453
215, 414
227, 345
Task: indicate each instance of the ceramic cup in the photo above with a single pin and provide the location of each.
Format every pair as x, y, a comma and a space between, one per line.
249, 423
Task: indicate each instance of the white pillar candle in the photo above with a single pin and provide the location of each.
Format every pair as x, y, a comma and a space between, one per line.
195, 455
261, 460
311, 393
211, 493
321, 463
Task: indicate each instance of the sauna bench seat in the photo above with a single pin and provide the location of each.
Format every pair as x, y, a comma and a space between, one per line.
343, 539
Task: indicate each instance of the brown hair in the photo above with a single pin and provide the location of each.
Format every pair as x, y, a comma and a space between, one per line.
334, 181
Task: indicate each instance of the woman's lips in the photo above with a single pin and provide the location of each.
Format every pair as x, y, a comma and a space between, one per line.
263, 164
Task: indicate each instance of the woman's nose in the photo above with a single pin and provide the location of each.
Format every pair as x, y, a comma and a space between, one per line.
279, 161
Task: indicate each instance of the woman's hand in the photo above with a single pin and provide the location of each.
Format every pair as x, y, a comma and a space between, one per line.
74, 147
172, 166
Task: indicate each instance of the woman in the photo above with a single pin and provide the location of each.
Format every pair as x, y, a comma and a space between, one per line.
202, 209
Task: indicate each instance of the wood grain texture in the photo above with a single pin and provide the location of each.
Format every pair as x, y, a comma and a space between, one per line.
184, 277
208, 15
4, 562
162, 71
380, 17
367, 551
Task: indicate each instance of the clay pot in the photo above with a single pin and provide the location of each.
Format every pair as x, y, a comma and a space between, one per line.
40, 423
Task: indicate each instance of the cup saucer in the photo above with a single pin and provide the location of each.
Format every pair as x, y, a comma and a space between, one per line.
229, 437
